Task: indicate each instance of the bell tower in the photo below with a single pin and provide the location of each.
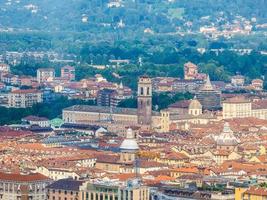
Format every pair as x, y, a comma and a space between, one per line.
144, 101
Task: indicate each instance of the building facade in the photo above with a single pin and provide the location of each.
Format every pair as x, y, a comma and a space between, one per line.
18, 186
24, 98
68, 72
209, 97
131, 190
45, 74
144, 101
239, 107
64, 189
236, 108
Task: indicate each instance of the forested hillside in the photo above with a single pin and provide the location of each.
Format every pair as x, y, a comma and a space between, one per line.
161, 15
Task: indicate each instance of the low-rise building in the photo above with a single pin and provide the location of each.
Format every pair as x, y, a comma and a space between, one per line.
257, 84
238, 81
34, 120
4, 67
252, 193
68, 72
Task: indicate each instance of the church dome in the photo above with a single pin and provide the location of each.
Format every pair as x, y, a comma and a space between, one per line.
129, 144
195, 104
227, 138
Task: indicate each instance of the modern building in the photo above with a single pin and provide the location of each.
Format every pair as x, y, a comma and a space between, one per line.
24, 98
144, 101
68, 72
209, 97
45, 75
104, 97
19, 186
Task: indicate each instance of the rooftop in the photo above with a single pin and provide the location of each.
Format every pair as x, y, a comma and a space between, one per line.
22, 178
103, 109
66, 184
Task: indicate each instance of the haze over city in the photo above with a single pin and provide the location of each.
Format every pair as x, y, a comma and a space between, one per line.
133, 99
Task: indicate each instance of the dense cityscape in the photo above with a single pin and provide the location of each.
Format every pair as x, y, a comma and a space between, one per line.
133, 100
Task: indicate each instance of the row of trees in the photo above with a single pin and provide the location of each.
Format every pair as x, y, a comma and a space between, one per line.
159, 101
49, 110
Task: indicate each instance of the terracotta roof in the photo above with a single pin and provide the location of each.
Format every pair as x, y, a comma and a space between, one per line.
25, 91
35, 118
180, 104
22, 178
237, 99
260, 104
257, 191
176, 156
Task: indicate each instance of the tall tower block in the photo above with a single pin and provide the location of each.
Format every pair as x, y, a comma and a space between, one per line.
144, 100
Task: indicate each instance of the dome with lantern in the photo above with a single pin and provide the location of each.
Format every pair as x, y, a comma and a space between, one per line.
195, 104
129, 143
227, 138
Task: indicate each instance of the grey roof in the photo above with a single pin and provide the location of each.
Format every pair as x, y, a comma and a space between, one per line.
104, 109
188, 116
66, 184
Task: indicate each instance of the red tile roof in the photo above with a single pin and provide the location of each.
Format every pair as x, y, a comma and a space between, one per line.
22, 178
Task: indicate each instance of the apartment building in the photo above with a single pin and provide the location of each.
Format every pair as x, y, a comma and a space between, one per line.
24, 98
45, 74
20, 187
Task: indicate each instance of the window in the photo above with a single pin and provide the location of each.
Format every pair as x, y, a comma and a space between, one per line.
142, 91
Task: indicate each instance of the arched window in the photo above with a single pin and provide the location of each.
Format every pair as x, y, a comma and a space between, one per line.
142, 91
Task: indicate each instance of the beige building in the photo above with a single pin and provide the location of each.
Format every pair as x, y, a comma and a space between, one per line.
257, 84
181, 118
18, 186
236, 107
239, 107
94, 114
142, 116
45, 74
4, 67
24, 98
238, 81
